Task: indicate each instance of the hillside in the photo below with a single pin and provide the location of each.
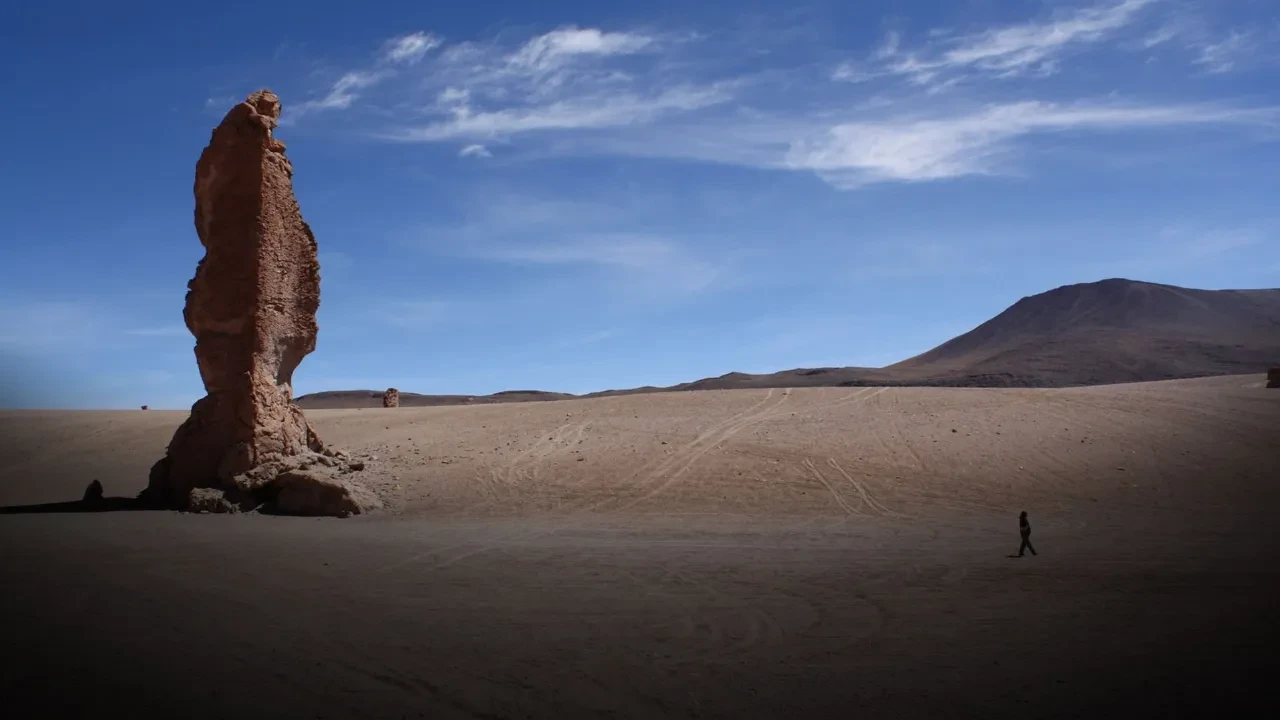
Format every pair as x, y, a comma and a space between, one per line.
1111, 331
347, 399
1114, 331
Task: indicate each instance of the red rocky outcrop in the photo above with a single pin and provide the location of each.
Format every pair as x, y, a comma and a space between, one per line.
252, 308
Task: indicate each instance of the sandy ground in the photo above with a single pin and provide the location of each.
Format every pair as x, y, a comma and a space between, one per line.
731, 554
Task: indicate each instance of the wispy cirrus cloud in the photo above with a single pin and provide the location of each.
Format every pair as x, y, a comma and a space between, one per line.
344, 92
475, 150
409, 49
569, 78
590, 91
610, 246
558, 47
585, 112
405, 50
1226, 54
1033, 47
981, 142
1211, 45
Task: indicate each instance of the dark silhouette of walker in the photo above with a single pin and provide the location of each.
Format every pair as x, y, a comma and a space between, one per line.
1024, 527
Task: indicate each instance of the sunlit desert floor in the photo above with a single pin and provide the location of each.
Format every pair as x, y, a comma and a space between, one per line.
733, 554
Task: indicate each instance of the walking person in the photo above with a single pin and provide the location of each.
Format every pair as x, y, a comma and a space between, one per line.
1024, 527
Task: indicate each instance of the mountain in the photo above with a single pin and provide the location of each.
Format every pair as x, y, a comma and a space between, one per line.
1111, 331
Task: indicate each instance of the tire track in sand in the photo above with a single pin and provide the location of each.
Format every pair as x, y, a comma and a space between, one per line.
514, 472
687, 454
727, 424
867, 498
690, 453
817, 474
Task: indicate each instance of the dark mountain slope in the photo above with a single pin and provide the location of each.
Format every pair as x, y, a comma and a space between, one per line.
1112, 331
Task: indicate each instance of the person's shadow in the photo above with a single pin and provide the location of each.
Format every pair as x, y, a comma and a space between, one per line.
93, 501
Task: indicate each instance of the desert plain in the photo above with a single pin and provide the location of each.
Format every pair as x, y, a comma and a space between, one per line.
765, 553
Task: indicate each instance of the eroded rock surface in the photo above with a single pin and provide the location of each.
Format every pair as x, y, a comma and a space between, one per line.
307, 492
252, 308
391, 398
1273, 377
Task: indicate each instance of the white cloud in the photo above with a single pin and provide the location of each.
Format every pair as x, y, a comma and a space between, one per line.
1224, 55
588, 91
569, 114
889, 47
1026, 48
557, 80
854, 154
344, 91
1160, 36
409, 49
452, 96
404, 50
558, 46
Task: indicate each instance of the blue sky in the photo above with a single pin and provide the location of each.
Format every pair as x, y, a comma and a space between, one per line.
577, 196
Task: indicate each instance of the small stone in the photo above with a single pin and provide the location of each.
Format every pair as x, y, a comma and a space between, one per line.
209, 500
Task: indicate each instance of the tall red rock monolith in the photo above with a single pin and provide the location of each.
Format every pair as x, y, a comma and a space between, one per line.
391, 398
252, 308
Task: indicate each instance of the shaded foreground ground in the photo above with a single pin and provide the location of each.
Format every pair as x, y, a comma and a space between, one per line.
712, 555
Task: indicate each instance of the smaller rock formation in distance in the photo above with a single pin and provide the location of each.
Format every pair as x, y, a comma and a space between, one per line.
252, 308
93, 494
1273, 377
391, 398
